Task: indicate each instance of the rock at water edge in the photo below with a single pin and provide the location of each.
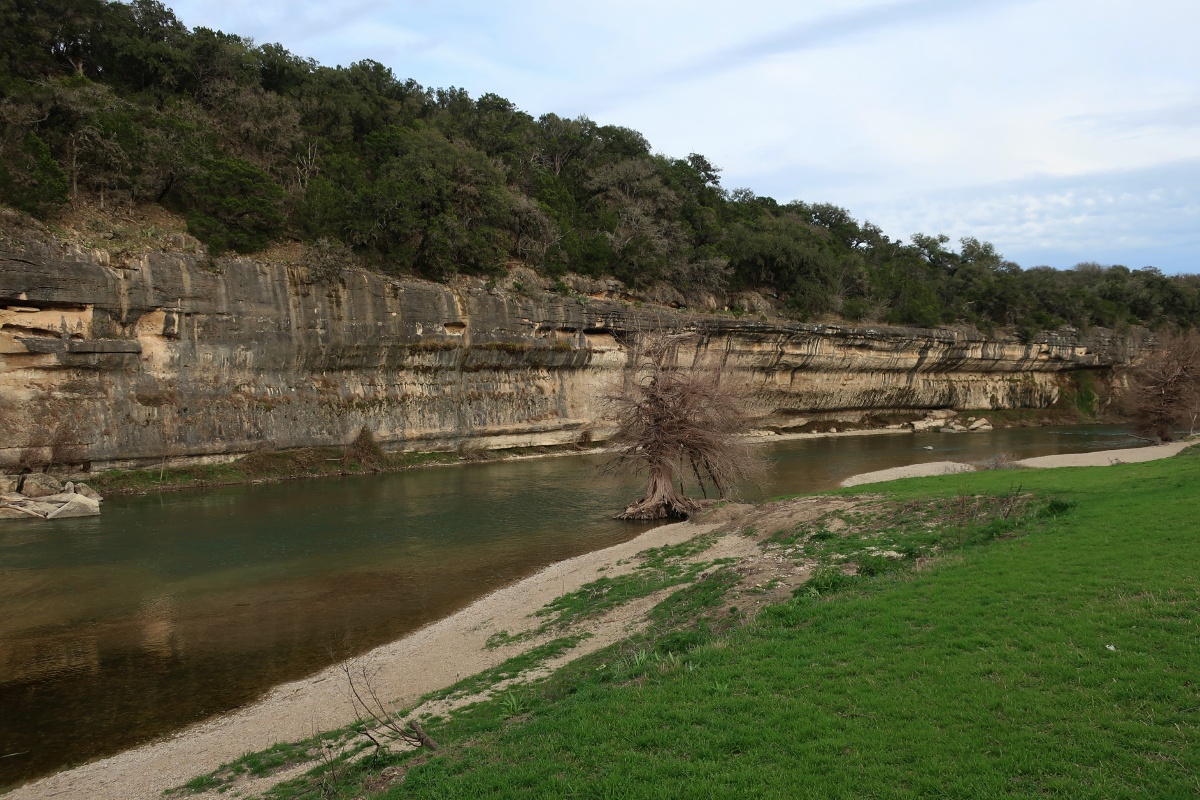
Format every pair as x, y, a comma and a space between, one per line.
87, 491
77, 506
61, 497
36, 508
39, 484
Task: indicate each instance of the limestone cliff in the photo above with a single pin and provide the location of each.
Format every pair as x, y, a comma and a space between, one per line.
170, 356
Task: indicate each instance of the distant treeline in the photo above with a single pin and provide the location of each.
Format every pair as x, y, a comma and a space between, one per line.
122, 103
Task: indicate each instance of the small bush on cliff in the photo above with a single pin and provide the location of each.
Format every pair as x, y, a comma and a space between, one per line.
31, 179
233, 205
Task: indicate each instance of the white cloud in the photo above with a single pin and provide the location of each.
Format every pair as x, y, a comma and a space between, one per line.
954, 115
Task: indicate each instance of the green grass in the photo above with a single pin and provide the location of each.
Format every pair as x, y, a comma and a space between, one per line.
511, 668
660, 568
1049, 652
264, 762
1059, 663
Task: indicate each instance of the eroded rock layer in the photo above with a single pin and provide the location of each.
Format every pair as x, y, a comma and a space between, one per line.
170, 356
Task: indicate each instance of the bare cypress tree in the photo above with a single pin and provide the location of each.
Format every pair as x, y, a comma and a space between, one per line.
676, 424
1164, 391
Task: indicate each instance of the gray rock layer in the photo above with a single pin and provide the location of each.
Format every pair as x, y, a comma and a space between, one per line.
172, 357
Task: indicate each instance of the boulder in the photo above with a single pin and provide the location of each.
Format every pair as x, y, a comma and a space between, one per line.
983, 429
39, 484
61, 497
87, 491
77, 506
941, 413
980, 423
9, 483
947, 429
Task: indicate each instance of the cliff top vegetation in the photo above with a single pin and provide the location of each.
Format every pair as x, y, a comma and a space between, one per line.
108, 103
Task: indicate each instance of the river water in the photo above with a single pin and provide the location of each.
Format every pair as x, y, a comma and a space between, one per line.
170, 608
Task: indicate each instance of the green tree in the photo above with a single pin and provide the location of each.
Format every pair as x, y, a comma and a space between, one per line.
30, 178
431, 205
232, 205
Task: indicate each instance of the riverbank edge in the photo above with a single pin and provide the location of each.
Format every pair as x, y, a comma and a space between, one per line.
289, 464
276, 466
162, 764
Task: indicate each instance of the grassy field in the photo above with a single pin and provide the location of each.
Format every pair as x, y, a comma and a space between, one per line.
1058, 656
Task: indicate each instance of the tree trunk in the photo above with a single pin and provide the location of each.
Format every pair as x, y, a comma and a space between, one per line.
663, 500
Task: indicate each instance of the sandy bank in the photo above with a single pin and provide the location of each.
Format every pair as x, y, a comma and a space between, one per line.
1100, 458
912, 471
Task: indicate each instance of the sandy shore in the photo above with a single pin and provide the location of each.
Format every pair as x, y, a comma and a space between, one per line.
1104, 458
925, 470
1100, 458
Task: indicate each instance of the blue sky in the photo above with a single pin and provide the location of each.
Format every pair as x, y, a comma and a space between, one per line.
1060, 130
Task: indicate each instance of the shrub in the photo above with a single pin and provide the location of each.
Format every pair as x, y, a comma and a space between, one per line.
827, 579
365, 451
232, 205
31, 180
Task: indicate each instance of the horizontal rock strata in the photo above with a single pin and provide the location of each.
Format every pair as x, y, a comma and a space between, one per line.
171, 357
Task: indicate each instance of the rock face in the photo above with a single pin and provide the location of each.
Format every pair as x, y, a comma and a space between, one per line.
175, 357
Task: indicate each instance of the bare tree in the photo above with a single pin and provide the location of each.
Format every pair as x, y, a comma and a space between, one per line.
1164, 391
384, 727
677, 423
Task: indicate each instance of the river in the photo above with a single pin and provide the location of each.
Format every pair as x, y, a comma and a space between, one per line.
171, 608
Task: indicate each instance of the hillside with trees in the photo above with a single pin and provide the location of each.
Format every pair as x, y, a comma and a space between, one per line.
112, 103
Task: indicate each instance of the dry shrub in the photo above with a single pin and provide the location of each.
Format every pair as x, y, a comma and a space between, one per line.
999, 461
676, 424
365, 451
327, 259
1164, 390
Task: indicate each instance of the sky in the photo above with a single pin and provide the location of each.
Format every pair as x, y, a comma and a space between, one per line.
1059, 130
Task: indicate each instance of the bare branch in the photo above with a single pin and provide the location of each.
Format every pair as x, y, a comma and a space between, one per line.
670, 419
367, 704
1164, 391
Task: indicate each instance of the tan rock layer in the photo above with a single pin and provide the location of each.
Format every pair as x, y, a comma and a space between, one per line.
165, 357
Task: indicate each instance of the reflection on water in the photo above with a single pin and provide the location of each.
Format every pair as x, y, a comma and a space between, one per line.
170, 608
